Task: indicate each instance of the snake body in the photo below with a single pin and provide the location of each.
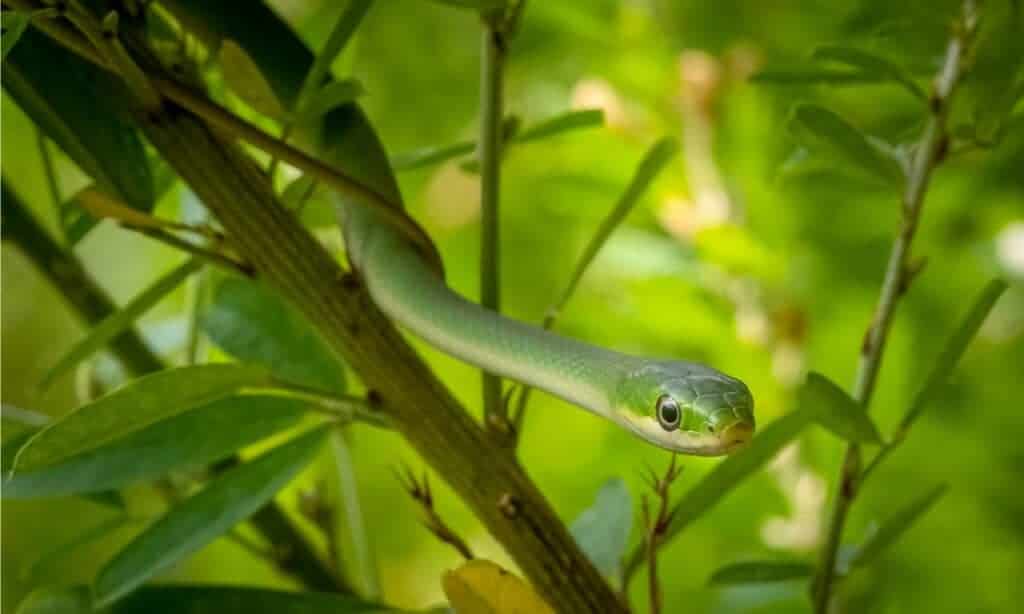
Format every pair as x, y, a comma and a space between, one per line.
681, 406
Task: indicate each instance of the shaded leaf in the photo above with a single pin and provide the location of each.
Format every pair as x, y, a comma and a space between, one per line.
224, 502
482, 587
480, 5
795, 76
134, 406
331, 95
602, 530
755, 572
894, 528
822, 130
837, 411
253, 324
116, 323
72, 600
14, 25
52, 557
245, 79
193, 438
80, 112
870, 64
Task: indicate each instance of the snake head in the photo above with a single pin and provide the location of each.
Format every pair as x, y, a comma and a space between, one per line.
686, 407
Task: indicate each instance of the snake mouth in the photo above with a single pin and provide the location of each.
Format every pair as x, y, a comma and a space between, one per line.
728, 440
737, 435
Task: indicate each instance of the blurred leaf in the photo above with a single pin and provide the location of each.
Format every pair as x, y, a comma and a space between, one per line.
197, 521
553, 126
757, 572
313, 85
14, 25
255, 325
132, 407
51, 558
837, 411
80, 112
119, 321
193, 438
870, 64
955, 348
198, 599
797, 76
245, 79
480, 5
894, 528
333, 94
100, 204
602, 530
431, 155
482, 587
821, 130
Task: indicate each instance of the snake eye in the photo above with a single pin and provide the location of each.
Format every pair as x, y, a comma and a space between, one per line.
669, 415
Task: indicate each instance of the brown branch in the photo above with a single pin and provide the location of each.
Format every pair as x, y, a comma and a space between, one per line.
656, 527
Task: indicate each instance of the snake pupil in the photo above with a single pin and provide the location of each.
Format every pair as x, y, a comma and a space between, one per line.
668, 413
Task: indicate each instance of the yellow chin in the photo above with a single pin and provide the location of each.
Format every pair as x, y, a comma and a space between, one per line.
686, 442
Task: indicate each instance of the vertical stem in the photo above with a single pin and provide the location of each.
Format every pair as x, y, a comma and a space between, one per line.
348, 495
492, 59
928, 154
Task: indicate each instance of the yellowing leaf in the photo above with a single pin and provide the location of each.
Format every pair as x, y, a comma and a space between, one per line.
102, 204
482, 587
244, 78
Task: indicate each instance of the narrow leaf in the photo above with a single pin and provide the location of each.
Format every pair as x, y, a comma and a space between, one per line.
602, 530
759, 572
479, 5
224, 502
253, 324
198, 599
245, 79
193, 438
102, 205
870, 64
331, 95
955, 348
565, 122
822, 130
800, 76
427, 156
837, 411
319, 71
136, 405
116, 323
894, 528
51, 558
14, 25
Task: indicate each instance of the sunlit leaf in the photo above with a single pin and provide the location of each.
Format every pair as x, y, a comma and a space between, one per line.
825, 132
565, 122
116, 323
482, 587
431, 155
837, 411
187, 527
602, 530
892, 529
132, 407
870, 64
193, 438
759, 572
245, 79
253, 324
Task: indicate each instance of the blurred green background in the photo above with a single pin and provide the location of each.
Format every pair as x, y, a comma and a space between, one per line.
737, 256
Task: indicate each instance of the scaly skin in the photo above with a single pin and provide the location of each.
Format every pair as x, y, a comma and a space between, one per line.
715, 411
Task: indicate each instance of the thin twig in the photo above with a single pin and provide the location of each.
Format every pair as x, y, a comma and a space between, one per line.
927, 156
420, 492
213, 257
655, 528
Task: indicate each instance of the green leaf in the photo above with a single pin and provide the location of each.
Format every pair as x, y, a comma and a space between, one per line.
602, 530
427, 156
479, 5
894, 528
823, 131
801, 76
197, 599
730, 473
245, 79
313, 84
224, 502
331, 95
81, 112
954, 349
14, 25
837, 411
138, 404
565, 122
119, 321
51, 558
193, 438
253, 324
759, 572
870, 64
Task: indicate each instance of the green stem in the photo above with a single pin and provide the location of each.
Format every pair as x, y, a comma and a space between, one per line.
348, 495
928, 155
492, 60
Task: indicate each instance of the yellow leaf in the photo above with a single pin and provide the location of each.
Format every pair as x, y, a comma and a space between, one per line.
482, 587
100, 205
244, 78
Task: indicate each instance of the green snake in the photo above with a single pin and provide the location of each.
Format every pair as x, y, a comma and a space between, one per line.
681, 406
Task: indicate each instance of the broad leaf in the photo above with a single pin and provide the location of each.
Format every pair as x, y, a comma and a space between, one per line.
602, 530
224, 502
191, 439
894, 528
253, 324
837, 411
757, 572
823, 131
138, 404
482, 587
244, 78
116, 323
870, 64
80, 112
